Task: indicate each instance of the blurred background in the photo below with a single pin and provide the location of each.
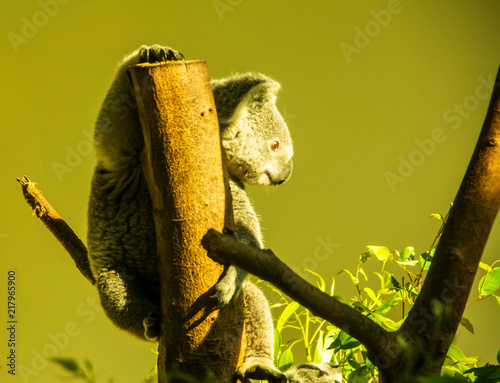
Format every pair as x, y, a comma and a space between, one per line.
384, 100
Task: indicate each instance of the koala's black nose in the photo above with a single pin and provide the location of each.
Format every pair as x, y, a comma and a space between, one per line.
286, 173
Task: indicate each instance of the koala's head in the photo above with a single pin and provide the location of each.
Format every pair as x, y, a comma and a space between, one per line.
255, 139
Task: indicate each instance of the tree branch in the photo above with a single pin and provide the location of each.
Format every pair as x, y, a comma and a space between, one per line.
450, 278
266, 265
57, 226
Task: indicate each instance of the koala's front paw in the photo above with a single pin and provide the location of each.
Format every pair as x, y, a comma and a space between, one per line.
225, 291
152, 327
259, 369
157, 53
228, 287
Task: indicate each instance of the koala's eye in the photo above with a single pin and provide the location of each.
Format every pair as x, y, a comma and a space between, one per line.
275, 145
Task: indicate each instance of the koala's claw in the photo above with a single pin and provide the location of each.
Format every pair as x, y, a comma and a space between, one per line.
157, 53
259, 369
152, 327
223, 294
225, 290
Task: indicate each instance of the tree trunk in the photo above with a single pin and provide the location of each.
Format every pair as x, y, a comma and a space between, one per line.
433, 321
184, 171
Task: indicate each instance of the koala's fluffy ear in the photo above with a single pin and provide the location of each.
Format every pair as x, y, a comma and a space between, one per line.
234, 95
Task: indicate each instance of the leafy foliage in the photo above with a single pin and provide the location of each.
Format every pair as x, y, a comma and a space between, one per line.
324, 343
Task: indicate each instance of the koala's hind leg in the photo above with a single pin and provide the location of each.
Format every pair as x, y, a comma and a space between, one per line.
258, 362
130, 308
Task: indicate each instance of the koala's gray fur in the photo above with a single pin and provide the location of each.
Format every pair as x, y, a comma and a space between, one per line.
257, 150
315, 373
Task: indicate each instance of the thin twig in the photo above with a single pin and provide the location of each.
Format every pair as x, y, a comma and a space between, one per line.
57, 226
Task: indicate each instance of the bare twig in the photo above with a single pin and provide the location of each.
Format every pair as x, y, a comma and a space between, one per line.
57, 226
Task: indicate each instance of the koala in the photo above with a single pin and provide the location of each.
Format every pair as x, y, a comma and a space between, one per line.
257, 149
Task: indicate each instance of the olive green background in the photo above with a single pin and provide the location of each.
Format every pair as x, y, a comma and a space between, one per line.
368, 87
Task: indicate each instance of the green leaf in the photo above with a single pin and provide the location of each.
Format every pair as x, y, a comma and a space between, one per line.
381, 252
491, 282
409, 263
386, 305
455, 353
354, 364
484, 266
361, 271
437, 215
372, 295
285, 315
332, 289
408, 254
341, 338
467, 324
363, 257
321, 352
426, 259
286, 360
354, 279
88, 365
387, 323
485, 374
458, 356
344, 342
321, 283
69, 364
349, 345
498, 357
395, 283
277, 345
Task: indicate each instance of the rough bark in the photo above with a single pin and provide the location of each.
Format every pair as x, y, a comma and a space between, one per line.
184, 171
